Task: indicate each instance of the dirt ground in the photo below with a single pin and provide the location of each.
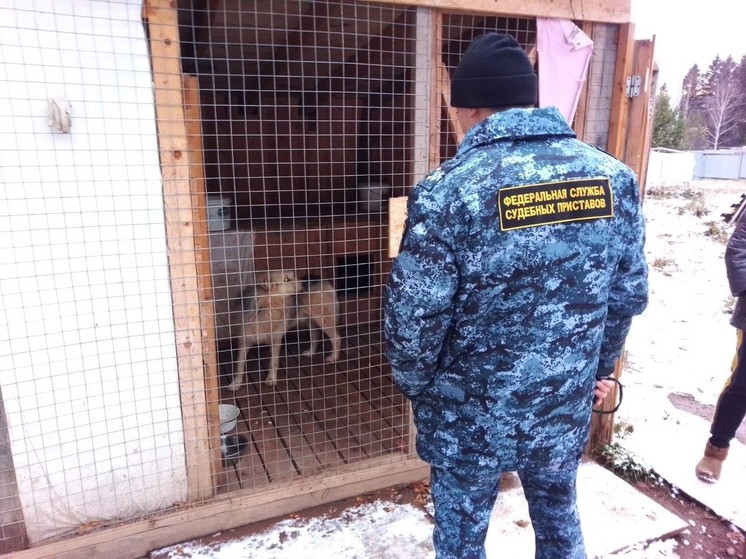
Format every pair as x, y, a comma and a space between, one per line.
709, 536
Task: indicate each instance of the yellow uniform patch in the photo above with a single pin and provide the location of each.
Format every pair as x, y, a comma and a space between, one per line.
532, 205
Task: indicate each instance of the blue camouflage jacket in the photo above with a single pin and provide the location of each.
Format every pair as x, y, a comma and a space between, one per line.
520, 269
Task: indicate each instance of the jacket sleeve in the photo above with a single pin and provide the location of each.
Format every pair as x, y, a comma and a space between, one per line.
735, 259
419, 295
628, 295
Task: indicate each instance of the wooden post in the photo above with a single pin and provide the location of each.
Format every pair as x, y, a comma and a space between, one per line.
204, 271
445, 95
602, 424
182, 256
638, 136
619, 100
426, 131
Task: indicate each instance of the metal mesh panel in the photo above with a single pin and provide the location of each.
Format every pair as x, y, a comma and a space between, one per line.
306, 132
458, 31
90, 389
157, 177
601, 84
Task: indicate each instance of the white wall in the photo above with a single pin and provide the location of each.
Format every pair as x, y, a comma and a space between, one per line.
87, 351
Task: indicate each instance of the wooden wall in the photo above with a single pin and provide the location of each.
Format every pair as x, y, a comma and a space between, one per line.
286, 160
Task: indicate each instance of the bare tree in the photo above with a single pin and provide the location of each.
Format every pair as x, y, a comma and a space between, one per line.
724, 98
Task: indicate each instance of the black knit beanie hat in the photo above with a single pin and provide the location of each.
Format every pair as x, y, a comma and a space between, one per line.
494, 73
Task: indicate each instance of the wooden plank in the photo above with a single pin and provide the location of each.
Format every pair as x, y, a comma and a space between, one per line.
250, 471
422, 117
397, 220
377, 370
137, 539
362, 419
300, 452
435, 92
12, 527
619, 100
445, 92
314, 433
376, 413
204, 273
163, 32
602, 424
638, 133
261, 425
608, 11
327, 413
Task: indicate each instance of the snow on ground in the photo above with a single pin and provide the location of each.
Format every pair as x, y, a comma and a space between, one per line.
680, 349
678, 356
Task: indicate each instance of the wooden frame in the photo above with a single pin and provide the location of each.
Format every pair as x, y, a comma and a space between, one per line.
612, 11
204, 272
183, 189
638, 139
138, 538
619, 99
180, 234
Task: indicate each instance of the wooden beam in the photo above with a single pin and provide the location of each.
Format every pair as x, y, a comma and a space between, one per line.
606, 11
423, 115
638, 137
182, 256
204, 272
619, 100
445, 94
436, 55
139, 538
602, 424
397, 219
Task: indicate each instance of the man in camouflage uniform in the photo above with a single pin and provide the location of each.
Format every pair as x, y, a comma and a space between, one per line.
520, 270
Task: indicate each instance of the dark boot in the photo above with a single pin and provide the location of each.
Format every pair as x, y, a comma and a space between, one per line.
711, 464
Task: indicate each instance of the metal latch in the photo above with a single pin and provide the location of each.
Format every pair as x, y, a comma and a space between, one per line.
633, 86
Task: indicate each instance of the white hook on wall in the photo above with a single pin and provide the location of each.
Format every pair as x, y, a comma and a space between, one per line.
58, 114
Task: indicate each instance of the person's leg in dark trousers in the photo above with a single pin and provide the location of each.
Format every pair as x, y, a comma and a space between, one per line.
729, 413
731, 406
462, 513
551, 495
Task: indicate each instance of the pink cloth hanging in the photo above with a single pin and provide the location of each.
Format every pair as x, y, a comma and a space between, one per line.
564, 56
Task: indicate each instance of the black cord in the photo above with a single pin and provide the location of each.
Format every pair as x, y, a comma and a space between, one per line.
621, 395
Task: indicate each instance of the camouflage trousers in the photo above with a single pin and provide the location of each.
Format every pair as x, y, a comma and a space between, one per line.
463, 506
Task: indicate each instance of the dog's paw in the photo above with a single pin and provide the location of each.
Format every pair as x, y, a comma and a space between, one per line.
333, 357
233, 387
271, 381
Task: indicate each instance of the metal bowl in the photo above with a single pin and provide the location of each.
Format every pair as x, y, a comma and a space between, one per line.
228, 417
231, 448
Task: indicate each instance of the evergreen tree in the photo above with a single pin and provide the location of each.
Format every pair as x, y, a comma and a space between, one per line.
669, 128
691, 87
739, 133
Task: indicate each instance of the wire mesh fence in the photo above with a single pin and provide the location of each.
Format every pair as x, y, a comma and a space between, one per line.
195, 243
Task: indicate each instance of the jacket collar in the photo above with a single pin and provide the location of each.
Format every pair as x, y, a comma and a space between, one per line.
516, 124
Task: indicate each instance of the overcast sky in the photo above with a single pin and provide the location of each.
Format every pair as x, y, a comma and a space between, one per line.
689, 32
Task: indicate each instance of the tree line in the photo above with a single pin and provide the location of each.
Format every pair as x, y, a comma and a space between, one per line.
711, 113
